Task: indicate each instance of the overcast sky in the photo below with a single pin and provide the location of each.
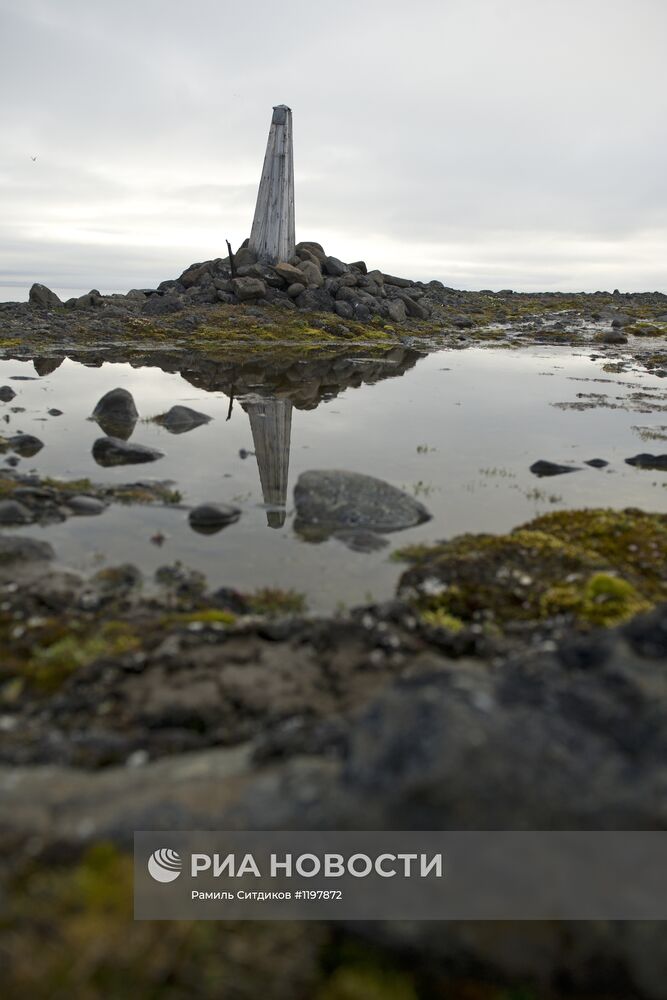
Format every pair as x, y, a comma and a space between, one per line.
488, 143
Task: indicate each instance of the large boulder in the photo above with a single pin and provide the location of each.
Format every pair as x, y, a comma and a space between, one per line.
288, 273
249, 289
327, 500
312, 276
315, 299
335, 267
397, 311
43, 297
116, 413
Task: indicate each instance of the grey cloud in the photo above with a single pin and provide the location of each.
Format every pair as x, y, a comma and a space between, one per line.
421, 134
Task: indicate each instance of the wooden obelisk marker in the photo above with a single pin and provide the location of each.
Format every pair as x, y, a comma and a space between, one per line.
272, 235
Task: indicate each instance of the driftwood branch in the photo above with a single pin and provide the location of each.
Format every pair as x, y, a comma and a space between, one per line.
232, 262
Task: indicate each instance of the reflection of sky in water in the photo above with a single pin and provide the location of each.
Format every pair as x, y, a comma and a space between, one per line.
483, 417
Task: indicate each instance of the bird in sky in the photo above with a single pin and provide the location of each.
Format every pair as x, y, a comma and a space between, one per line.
33, 158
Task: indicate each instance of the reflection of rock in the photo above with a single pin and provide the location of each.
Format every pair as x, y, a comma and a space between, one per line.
359, 540
109, 451
305, 382
329, 500
25, 445
116, 413
209, 518
44, 366
180, 419
271, 425
646, 461
545, 468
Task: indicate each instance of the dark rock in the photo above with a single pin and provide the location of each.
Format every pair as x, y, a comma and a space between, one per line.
397, 311
620, 321
86, 506
249, 289
335, 267
45, 366
289, 274
91, 300
315, 299
647, 461
6, 393
14, 512
55, 412
544, 468
390, 279
244, 257
160, 305
362, 312
327, 501
344, 309
211, 517
43, 297
597, 463
311, 274
108, 451
294, 291
613, 337
180, 419
463, 322
25, 445
415, 309
360, 266
14, 549
265, 273
116, 413
313, 248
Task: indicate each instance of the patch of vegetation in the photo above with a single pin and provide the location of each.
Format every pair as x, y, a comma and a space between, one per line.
57, 652
274, 602
599, 567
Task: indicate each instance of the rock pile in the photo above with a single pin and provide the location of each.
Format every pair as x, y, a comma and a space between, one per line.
311, 280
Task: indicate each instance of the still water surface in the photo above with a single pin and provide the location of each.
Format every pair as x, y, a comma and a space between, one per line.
459, 429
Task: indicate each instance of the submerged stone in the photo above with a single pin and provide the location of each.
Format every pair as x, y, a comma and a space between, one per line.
180, 419
109, 451
544, 468
328, 500
116, 413
14, 512
208, 518
647, 461
25, 445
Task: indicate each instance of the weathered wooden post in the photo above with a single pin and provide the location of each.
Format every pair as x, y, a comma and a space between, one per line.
272, 234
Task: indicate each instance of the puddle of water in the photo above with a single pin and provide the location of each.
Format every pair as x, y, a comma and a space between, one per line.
459, 429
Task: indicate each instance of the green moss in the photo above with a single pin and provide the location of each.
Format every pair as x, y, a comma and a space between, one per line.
646, 330
69, 485
274, 602
599, 567
359, 983
52, 662
600, 600
630, 541
207, 616
442, 619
